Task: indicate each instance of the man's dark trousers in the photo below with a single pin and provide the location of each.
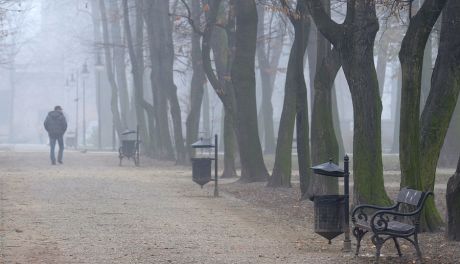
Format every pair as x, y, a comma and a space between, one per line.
60, 141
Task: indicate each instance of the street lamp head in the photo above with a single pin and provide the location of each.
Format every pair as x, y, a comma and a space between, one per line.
99, 65
84, 70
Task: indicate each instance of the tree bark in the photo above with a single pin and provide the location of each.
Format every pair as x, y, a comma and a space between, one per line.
294, 86
243, 82
453, 205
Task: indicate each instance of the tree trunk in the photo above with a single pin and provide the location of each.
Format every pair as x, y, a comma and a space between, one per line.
324, 141
336, 120
220, 41
397, 117
451, 143
197, 84
229, 151
355, 42
109, 67
427, 71
323, 137
268, 54
411, 57
243, 82
136, 56
453, 205
163, 138
440, 105
382, 58
312, 50
119, 53
295, 84
166, 55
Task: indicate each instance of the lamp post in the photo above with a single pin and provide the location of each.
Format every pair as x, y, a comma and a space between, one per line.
74, 81
84, 75
99, 68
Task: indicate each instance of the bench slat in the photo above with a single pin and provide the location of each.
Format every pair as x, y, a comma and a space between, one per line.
409, 196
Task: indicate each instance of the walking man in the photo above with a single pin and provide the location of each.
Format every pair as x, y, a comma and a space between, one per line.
56, 125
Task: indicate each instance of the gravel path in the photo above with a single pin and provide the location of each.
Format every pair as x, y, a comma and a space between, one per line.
89, 210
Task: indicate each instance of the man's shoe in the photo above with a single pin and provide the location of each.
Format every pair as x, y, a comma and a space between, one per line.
60, 162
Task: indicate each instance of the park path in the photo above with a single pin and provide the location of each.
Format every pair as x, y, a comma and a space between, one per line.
89, 210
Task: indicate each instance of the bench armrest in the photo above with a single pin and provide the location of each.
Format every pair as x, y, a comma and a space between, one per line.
380, 219
361, 215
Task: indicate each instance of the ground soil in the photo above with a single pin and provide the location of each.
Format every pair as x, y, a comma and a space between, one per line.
90, 210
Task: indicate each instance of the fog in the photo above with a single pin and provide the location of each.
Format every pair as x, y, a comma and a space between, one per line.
46, 44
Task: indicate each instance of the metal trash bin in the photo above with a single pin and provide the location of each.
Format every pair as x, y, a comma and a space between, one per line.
129, 146
201, 170
330, 215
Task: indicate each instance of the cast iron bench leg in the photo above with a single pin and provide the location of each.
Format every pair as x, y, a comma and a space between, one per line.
378, 242
397, 246
359, 234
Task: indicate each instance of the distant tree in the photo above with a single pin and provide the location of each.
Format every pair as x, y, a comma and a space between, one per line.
295, 95
218, 37
109, 68
158, 30
270, 42
119, 58
136, 56
235, 85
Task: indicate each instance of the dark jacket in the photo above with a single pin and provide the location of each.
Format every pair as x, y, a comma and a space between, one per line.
55, 124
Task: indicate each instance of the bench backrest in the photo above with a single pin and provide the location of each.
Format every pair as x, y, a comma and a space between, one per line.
410, 196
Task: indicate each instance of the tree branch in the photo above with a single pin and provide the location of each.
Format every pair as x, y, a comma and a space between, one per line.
190, 20
328, 27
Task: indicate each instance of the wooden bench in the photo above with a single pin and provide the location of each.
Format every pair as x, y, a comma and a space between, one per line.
401, 220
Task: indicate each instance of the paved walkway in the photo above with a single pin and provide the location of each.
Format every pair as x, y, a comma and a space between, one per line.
89, 210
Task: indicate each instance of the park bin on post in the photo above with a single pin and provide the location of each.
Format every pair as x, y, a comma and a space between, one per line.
201, 170
332, 211
129, 146
201, 166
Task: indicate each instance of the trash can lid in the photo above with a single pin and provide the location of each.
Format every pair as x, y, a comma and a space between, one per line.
203, 143
328, 169
126, 132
